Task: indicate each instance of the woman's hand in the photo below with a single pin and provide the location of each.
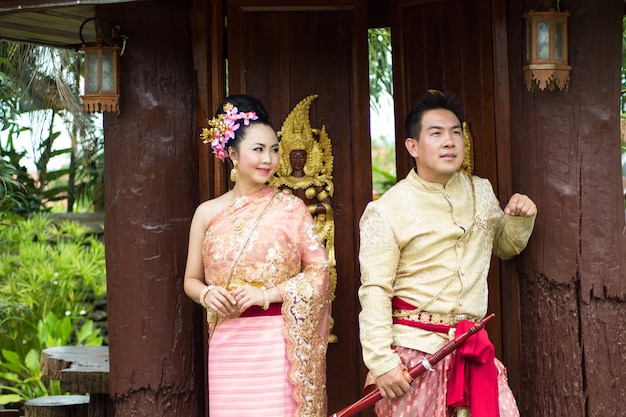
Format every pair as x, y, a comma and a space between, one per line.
247, 296
221, 301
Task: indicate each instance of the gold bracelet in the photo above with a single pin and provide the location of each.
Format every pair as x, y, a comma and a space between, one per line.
203, 294
266, 298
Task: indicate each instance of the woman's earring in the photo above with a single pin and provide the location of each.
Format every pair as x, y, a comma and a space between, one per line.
233, 172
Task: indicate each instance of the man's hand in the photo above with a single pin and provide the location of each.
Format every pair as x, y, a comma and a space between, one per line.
394, 383
520, 205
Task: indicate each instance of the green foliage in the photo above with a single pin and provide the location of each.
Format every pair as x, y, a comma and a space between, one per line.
381, 93
50, 278
22, 378
47, 268
11, 191
52, 331
42, 84
22, 375
383, 167
22, 196
380, 70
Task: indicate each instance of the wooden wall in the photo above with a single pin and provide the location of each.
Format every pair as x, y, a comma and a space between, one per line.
151, 163
566, 148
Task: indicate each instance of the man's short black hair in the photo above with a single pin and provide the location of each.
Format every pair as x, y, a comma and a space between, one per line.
433, 99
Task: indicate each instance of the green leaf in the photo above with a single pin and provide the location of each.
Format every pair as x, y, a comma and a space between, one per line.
85, 331
32, 361
9, 376
13, 362
10, 399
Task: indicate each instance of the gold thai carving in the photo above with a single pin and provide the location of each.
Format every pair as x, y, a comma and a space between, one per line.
468, 157
306, 171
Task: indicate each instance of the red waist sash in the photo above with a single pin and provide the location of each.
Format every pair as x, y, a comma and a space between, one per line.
473, 380
256, 311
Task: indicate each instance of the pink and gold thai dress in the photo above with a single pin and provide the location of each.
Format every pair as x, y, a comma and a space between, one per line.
268, 362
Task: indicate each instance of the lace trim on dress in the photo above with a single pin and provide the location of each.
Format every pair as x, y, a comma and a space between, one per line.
304, 307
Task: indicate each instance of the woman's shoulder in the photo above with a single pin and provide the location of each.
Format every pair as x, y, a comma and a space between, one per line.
208, 209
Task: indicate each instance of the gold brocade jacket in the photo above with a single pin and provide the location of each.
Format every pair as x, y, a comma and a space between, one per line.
431, 246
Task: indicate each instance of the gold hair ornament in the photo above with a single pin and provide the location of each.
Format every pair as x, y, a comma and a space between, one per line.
222, 128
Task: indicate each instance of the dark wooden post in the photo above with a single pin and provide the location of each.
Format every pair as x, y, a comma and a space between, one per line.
151, 166
566, 147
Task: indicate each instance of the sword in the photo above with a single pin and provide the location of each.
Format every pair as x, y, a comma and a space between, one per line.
426, 364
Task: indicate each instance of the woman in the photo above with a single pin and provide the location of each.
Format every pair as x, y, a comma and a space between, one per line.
255, 262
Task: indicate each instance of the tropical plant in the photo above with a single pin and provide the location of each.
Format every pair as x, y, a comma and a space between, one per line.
46, 268
43, 85
380, 71
23, 376
51, 276
383, 166
381, 93
11, 191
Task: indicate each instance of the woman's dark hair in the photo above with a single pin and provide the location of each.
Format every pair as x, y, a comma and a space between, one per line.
244, 103
433, 99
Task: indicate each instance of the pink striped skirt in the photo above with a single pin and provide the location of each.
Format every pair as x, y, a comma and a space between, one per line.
429, 391
248, 369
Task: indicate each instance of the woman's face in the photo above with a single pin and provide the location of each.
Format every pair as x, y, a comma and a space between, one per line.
258, 154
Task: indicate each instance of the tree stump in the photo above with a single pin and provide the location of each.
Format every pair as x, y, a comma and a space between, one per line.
80, 370
57, 406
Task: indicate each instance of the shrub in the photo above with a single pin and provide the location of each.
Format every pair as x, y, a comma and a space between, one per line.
50, 279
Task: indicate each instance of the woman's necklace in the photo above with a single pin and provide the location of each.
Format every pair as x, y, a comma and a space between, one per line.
240, 223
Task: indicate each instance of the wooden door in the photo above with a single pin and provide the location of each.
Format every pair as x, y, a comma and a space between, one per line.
282, 52
460, 46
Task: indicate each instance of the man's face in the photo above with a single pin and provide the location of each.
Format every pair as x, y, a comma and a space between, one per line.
439, 150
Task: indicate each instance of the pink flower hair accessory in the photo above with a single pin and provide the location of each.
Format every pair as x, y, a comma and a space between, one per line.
222, 129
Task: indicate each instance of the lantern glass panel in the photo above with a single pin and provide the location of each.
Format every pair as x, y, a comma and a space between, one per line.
91, 72
543, 39
107, 72
559, 41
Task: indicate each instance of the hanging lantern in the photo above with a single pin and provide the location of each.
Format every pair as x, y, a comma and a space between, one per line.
546, 50
102, 80
102, 75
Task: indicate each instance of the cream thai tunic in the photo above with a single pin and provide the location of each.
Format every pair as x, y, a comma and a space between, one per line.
431, 246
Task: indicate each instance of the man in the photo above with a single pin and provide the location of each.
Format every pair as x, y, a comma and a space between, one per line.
426, 246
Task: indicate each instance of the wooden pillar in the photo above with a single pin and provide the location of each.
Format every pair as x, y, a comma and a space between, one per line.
566, 147
151, 167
